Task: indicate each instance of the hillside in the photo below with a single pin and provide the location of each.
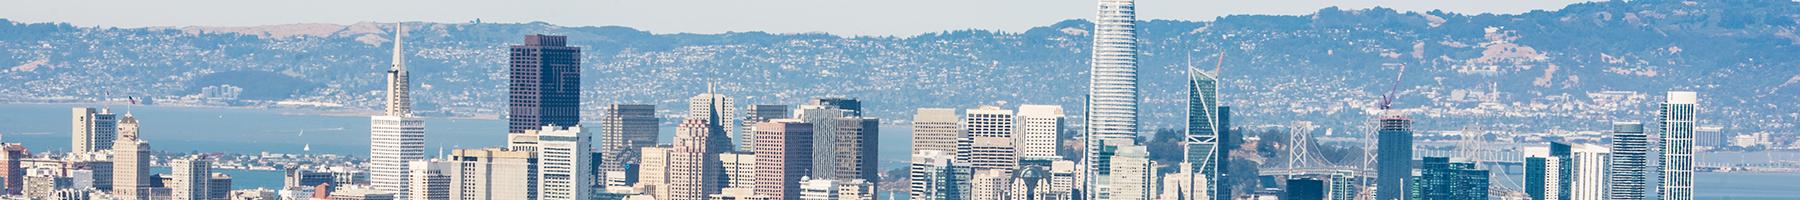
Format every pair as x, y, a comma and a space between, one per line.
1563, 70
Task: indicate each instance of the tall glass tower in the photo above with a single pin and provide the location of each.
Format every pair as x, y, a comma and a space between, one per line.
1631, 148
1677, 124
1394, 160
1205, 130
544, 83
1111, 110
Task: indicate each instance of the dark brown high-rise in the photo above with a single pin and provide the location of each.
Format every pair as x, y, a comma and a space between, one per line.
545, 84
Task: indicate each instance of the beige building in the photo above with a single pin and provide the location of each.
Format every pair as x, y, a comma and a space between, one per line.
131, 162
935, 129
487, 174
564, 159
190, 176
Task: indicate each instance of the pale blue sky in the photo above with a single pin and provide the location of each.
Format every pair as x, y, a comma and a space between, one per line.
849, 17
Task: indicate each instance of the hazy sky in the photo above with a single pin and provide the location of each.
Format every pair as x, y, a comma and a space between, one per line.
850, 17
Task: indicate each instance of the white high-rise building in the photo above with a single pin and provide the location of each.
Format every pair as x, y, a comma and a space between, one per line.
1677, 126
429, 180
395, 137
818, 189
1038, 127
563, 160
1592, 164
1132, 174
991, 133
190, 175
93, 130
990, 184
1112, 100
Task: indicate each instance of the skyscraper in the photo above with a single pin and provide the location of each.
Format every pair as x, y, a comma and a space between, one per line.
1631, 155
740, 169
93, 130
935, 129
857, 139
190, 177
544, 78
218, 186
653, 170
935, 175
1038, 127
487, 174
1304, 189
755, 114
429, 180
395, 137
783, 155
990, 128
703, 105
1440, 179
1676, 121
1205, 136
12, 175
1591, 167
1394, 160
1111, 110
829, 122
131, 162
1547, 171
1132, 173
694, 167
624, 129
562, 163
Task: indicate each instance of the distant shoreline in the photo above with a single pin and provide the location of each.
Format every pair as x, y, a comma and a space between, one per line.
281, 111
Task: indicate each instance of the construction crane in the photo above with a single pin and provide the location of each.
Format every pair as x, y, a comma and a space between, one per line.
1387, 98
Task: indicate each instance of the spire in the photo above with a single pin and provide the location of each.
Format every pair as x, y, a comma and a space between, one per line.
399, 98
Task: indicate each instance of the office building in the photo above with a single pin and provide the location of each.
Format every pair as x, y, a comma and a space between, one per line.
1676, 123
131, 162
544, 83
829, 125
990, 184
624, 129
1592, 167
97, 166
395, 137
428, 180
562, 160
1111, 110
694, 168
990, 130
1034, 182
489, 174
935, 175
1207, 134
935, 129
94, 130
856, 148
1630, 161
1039, 126
1304, 189
704, 105
218, 186
12, 174
653, 171
189, 178
818, 189
784, 156
1132, 173
359, 193
1547, 171
1393, 161
740, 169
756, 114
1441, 179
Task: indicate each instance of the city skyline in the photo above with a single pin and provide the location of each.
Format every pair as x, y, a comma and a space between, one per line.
739, 144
